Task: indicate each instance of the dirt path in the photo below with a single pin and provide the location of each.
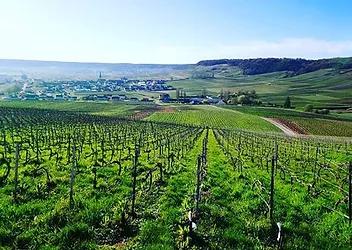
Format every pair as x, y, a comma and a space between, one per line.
286, 129
289, 128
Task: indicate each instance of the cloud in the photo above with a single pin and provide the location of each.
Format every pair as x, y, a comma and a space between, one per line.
291, 47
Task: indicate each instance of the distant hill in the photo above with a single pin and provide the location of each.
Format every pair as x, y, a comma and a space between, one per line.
78, 70
53, 70
269, 65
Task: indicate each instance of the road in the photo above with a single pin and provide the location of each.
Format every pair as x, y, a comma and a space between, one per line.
287, 131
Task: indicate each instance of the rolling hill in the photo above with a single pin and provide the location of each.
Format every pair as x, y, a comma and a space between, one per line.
324, 88
292, 66
323, 83
78, 70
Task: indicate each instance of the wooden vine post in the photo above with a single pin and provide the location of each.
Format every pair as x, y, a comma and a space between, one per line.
199, 170
72, 175
16, 172
350, 193
272, 182
134, 179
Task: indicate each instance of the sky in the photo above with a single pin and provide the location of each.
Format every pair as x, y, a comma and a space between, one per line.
173, 31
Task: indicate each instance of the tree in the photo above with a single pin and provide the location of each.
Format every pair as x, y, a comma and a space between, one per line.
233, 100
204, 93
322, 111
253, 94
221, 94
177, 94
242, 99
287, 104
226, 95
308, 108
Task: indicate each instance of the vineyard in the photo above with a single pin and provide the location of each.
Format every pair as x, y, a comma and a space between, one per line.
71, 180
214, 117
325, 127
311, 123
94, 108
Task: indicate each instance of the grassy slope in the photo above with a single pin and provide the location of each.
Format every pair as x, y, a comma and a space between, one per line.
195, 86
214, 117
321, 88
228, 198
172, 206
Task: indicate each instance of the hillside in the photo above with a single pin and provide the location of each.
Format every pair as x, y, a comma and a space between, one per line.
78, 70
331, 88
292, 66
325, 83
203, 69
213, 117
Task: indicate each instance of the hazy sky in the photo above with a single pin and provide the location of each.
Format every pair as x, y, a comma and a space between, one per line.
175, 31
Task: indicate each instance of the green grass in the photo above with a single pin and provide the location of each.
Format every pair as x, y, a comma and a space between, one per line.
347, 116
173, 205
214, 117
228, 224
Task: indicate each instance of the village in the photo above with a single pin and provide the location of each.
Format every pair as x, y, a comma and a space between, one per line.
108, 90
90, 90
124, 90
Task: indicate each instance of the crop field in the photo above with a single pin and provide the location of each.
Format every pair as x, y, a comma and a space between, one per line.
71, 180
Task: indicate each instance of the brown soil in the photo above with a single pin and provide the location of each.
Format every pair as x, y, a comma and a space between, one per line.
140, 115
167, 109
291, 125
